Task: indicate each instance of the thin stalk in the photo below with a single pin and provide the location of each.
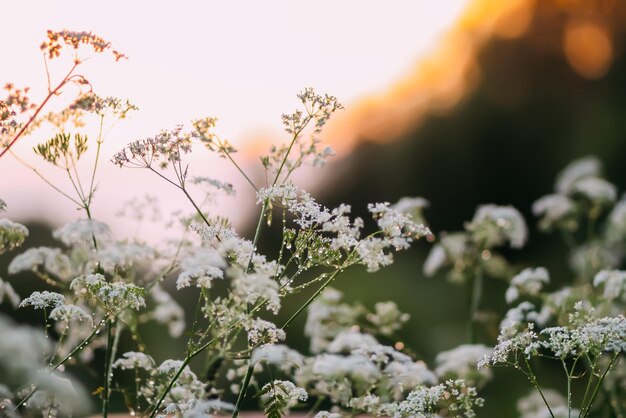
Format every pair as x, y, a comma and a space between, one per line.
95, 164
590, 380
242, 392
587, 408
569, 390
107, 369
257, 235
41, 106
76, 349
41, 176
312, 298
533, 381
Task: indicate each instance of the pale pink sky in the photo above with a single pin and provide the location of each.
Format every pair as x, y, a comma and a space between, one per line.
242, 61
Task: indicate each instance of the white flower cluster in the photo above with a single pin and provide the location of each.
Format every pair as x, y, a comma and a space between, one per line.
134, 360
460, 363
166, 311
12, 235
613, 283
582, 178
493, 226
82, 232
277, 355
43, 300
263, 332
528, 282
114, 297
203, 266
51, 260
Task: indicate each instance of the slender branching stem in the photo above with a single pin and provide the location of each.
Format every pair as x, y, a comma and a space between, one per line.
51, 93
587, 409
107, 369
533, 380
244, 387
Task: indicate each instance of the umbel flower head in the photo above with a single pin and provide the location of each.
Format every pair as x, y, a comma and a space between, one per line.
56, 40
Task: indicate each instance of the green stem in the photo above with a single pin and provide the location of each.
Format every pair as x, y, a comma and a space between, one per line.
312, 298
533, 380
242, 392
587, 408
107, 369
569, 390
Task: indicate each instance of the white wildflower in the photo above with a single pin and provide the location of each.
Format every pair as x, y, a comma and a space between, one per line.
256, 288
114, 296
134, 360
460, 363
203, 409
494, 225
613, 282
52, 260
349, 340
68, 313
512, 342
528, 282
327, 317
277, 355
554, 209
12, 235
387, 318
452, 248
285, 194
326, 414
534, 406
597, 190
616, 222
405, 376
203, 265
577, 170
81, 232
167, 312
287, 390
43, 300
124, 256
263, 332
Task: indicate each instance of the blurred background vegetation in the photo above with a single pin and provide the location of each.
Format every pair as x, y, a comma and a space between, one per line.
537, 94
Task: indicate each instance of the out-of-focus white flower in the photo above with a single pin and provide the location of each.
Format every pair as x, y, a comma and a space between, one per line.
349, 340
494, 225
52, 260
527, 282
460, 363
12, 235
597, 190
81, 232
534, 406
554, 210
278, 355
167, 312
68, 313
582, 168
203, 265
134, 360
613, 282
